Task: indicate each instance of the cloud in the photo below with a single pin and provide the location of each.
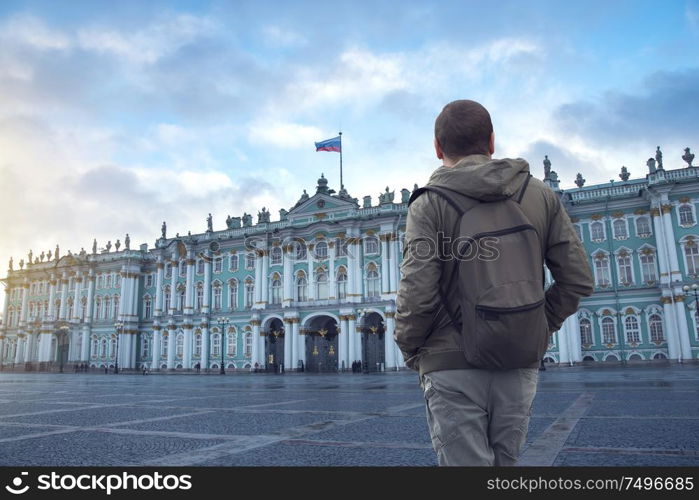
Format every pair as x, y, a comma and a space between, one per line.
284, 135
32, 32
277, 36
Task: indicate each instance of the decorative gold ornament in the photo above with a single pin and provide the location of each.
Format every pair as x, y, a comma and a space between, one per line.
315, 350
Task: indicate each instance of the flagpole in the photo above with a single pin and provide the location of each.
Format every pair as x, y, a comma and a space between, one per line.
342, 186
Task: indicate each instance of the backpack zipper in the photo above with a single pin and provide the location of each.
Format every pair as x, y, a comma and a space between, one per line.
526, 307
501, 232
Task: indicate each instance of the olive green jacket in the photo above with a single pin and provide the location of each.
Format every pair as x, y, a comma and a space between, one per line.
424, 333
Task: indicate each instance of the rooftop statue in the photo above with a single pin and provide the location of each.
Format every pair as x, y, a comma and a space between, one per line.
386, 197
117, 244
283, 214
56, 253
247, 220
404, 195
232, 222
579, 180
48, 255
31, 255
127, 242
688, 156
94, 247
263, 216
659, 158
209, 224
547, 167
367, 201
109, 245
42, 256
163, 230
83, 253
21, 264
624, 175
651, 165
10, 265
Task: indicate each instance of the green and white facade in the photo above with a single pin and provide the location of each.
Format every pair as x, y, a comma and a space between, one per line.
316, 289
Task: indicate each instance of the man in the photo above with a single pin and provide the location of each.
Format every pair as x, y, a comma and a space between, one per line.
477, 415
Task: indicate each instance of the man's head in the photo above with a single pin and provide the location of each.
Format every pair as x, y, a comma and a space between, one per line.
463, 128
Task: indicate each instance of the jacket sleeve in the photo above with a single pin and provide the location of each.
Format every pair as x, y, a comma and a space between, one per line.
567, 260
421, 269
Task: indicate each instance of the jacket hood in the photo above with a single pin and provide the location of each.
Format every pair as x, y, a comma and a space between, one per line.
481, 177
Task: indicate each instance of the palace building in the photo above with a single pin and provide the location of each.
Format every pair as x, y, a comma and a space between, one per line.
315, 290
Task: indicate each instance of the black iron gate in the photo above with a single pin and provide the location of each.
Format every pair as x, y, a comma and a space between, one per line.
274, 345
321, 345
373, 343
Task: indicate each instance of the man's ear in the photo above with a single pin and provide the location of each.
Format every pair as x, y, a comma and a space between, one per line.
438, 149
491, 145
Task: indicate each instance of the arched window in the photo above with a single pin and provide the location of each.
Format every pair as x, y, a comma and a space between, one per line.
691, 255
686, 215
597, 231
624, 266
642, 227
276, 255
217, 295
112, 348
179, 346
107, 305
232, 343
147, 307
371, 245
11, 316
168, 269
164, 344
608, 331
166, 298
233, 295
276, 290
340, 247
249, 293
200, 297
633, 334
180, 298
373, 288
250, 261
145, 347
200, 266
93, 348
248, 344
103, 348
321, 279
215, 344
300, 248
648, 271
149, 280
98, 307
83, 308
321, 250
182, 267
602, 270
620, 232
341, 283
108, 281
655, 324
585, 332
218, 264
301, 288
115, 306
197, 344
233, 262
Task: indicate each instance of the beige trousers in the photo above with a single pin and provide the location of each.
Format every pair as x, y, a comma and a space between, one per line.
479, 417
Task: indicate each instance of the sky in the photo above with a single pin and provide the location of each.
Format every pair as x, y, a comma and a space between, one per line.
116, 116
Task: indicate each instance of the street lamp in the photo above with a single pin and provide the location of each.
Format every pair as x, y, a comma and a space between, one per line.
118, 327
222, 322
695, 291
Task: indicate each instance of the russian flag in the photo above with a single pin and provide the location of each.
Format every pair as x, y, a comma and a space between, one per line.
334, 144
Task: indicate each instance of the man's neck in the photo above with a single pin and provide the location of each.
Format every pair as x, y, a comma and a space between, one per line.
450, 162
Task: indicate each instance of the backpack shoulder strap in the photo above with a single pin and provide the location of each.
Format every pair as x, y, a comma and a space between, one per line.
524, 188
454, 198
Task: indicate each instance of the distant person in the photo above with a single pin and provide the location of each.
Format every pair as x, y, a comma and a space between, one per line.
472, 314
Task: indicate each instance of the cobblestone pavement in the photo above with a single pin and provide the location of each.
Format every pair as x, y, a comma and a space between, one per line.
637, 415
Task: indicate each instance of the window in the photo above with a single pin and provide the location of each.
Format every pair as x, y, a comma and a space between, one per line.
686, 215
633, 333
233, 262
168, 269
276, 290
217, 296
249, 293
182, 269
321, 279
372, 281
165, 344
197, 344
250, 260
301, 288
116, 306
642, 227
691, 255
93, 348
608, 331
117, 281
340, 247
648, 272
179, 345
180, 298
100, 281
371, 245
342, 284
200, 266
10, 316
112, 348
98, 307
108, 281
149, 280
232, 343
585, 332
276, 255
218, 264
597, 231
147, 308
248, 344
166, 298
107, 305
300, 250
103, 348
145, 347
620, 232
321, 250
602, 270
216, 344
655, 324
200, 297
233, 295
625, 273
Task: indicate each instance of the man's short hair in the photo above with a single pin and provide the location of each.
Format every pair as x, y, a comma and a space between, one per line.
463, 128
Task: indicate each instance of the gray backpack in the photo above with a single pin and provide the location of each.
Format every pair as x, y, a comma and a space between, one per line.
500, 281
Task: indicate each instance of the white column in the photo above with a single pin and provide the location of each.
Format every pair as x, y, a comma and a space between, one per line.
670, 320
662, 247
291, 338
155, 364
389, 342
123, 302
300, 342
20, 349
258, 281
173, 285
25, 300
351, 265
28, 343
64, 296
205, 347
189, 286
52, 298
393, 263
685, 347
159, 288
187, 348
90, 297
358, 271
2, 351
206, 306
385, 273
563, 338
343, 344
85, 347
288, 279
355, 340
675, 274
76, 297
332, 290
171, 342
44, 347
311, 274
256, 354
288, 343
